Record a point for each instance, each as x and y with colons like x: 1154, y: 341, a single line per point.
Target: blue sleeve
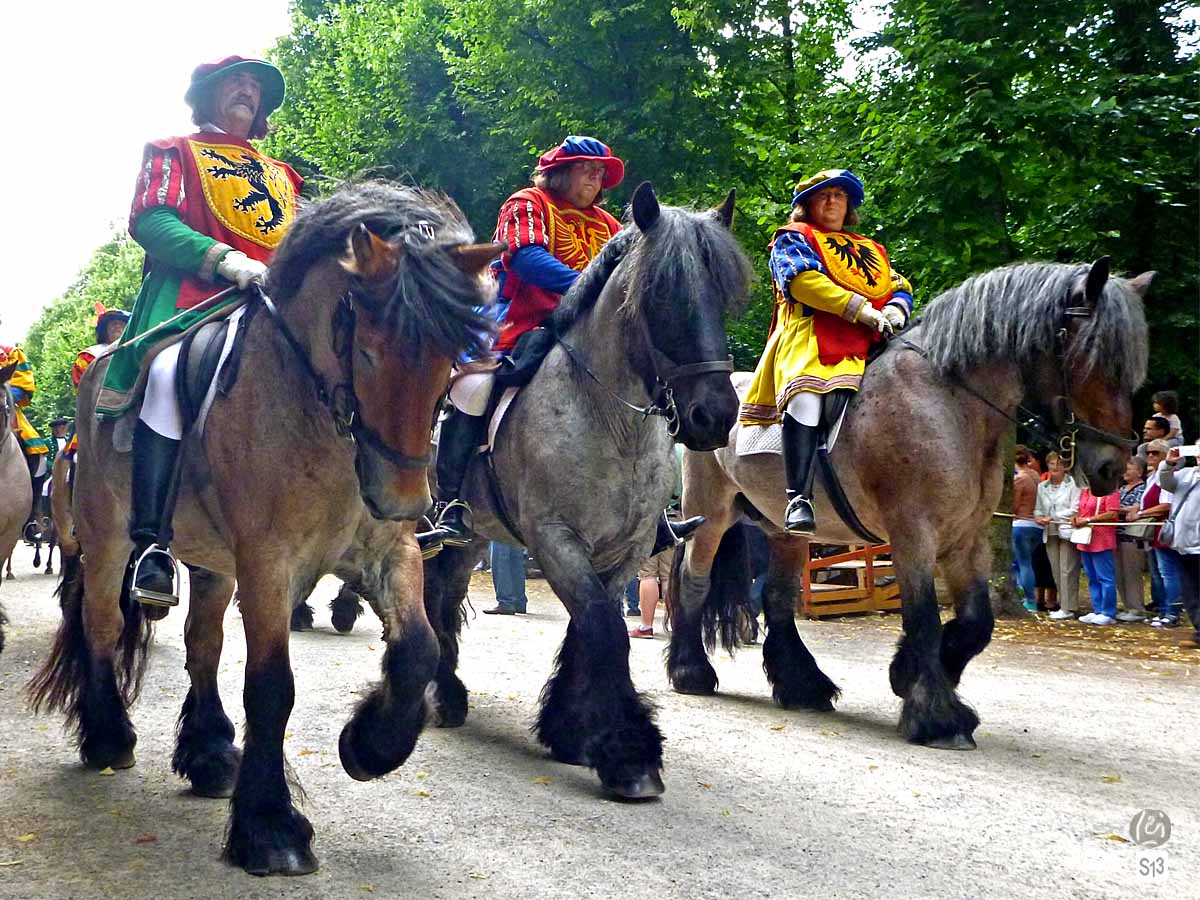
x: 535, y: 265
x: 904, y: 300
x: 791, y: 255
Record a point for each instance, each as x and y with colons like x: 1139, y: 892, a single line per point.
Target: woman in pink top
x: 1097, y: 554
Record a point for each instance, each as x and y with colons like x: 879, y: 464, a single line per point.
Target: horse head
x: 1094, y: 404
x: 684, y: 273
x: 394, y: 301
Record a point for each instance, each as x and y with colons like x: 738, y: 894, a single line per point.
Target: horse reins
x: 1064, y: 435
x: 341, y: 400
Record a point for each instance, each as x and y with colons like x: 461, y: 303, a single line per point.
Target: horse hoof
x: 124, y: 760
x: 216, y: 778
x: 647, y: 786
x: 816, y: 704
x: 350, y: 759
x: 155, y: 613
x: 955, y: 742
x: 284, y: 861
x: 449, y: 718
x: 571, y: 758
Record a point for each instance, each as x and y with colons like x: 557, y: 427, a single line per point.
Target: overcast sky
x: 85, y: 85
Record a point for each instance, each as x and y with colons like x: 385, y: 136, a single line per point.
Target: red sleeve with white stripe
x: 160, y: 183
x: 522, y: 223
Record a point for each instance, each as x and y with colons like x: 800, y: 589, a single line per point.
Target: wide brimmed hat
x: 843, y: 178
x: 270, y: 79
x: 109, y: 315
x: 577, y: 148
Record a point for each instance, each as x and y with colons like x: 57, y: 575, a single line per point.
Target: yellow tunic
x: 790, y: 362
x: 31, y: 442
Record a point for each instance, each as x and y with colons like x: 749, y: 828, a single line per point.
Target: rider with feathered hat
x: 835, y: 294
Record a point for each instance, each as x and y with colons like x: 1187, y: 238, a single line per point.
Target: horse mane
x: 1015, y: 313
x: 432, y: 303
x: 685, y: 254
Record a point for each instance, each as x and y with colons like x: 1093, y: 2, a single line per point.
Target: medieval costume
x: 548, y: 241
x: 35, y: 447
x: 106, y: 319
x: 835, y: 294
x: 209, y: 210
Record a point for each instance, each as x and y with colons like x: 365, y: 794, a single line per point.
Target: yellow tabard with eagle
x: 251, y: 195
x: 822, y: 271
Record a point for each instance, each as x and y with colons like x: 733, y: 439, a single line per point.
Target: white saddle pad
x: 756, y: 439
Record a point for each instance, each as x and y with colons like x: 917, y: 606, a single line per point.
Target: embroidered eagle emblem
x: 250, y: 170
x: 856, y: 256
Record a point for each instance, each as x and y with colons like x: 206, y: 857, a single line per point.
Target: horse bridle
x: 1065, y: 433
x: 666, y: 371
x: 341, y: 400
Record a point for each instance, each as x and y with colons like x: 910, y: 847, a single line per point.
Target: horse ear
x: 645, y: 206
x: 474, y: 258
x: 1141, y: 284
x: 1097, y: 277
x: 369, y: 256
x: 725, y: 211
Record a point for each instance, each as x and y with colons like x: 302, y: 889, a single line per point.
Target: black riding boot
x: 460, y: 437
x: 671, y: 533
x: 154, y: 459
x: 799, y: 459
x: 32, y: 532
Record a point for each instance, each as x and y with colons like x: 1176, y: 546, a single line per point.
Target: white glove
x: 874, y: 319
x: 895, y: 316
x: 243, y: 271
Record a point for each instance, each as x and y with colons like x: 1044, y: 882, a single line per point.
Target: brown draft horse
x: 376, y: 289
x: 16, y: 491
x: 919, y: 456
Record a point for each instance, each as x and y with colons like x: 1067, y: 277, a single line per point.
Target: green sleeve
x: 168, y: 241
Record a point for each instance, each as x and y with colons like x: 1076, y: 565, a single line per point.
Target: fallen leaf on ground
x: 478, y: 876
x: 369, y: 888
x: 306, y: 752
x: 422, y: 774
x: 1112, y: 779
x: 11, y: 862
x: 543, y: 779
x: 146, y: 838
x: 26, y: 838
x: 107, y: 770
x: 778, y: 727
x: 422, y: 793
x: 1112, y: 837
x: 707, y: 787
x: 872, y: 768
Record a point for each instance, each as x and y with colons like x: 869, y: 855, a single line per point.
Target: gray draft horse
x: 919, y: 457
x: 16, y: 491
x: 583, y: 478
x: 377, y: 290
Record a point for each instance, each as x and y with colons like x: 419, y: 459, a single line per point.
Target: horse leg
x: 50, y: 553
x: 796, y: 680
x: 204, y: 750
x: 385, y: 726
x: 696, y: 574
x: 345, y: 609
x: 37, y: 554
x: 591, y: 712
x: 932, y: 713
x: 302, y: 617
x: 965, y: 636
x: 9, y: 573
x: 446, y: 578
x: 266, y: 833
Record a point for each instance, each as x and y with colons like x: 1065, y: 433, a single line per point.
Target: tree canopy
x: 986, y: 132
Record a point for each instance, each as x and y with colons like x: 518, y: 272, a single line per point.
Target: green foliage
x: 67, y: 325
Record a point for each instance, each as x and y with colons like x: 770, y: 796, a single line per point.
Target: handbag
x: 1140, y: 531
x: 1081, y: 535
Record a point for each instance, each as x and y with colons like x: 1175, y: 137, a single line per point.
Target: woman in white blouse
x: 1057, y: 501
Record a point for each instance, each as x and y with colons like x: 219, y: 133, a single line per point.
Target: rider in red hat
x: 209, y: 209
x: 552, y: 230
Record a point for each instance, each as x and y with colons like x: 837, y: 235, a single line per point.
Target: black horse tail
x: 728, y: 590
x: 60, y: 683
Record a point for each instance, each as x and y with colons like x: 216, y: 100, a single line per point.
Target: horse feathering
x: 1016, y: 312
x: 432, y: 303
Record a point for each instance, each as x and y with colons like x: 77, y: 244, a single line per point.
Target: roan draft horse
x: 1062, y: 347
x: 16, y: 492
x: 583, y: 473
x: 374, y: 292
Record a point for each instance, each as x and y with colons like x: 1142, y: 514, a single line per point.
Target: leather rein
x: 1064, y: 435
x: 341, y: 400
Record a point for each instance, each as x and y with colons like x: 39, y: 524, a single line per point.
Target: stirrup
x: 796, y: 504
x: 430, y: 543
x: 155, y: 598
x: 37, y: 535
x: 451, y: 537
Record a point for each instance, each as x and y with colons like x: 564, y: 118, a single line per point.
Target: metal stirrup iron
x: 155, y: 598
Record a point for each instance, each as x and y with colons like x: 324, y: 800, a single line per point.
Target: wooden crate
x: 818, y: 600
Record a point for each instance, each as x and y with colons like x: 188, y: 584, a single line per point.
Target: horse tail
x: 60, y: 683
x: 728, y: 590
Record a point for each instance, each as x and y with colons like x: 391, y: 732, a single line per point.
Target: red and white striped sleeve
x: 159, y: 183
x: 522, y: 222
